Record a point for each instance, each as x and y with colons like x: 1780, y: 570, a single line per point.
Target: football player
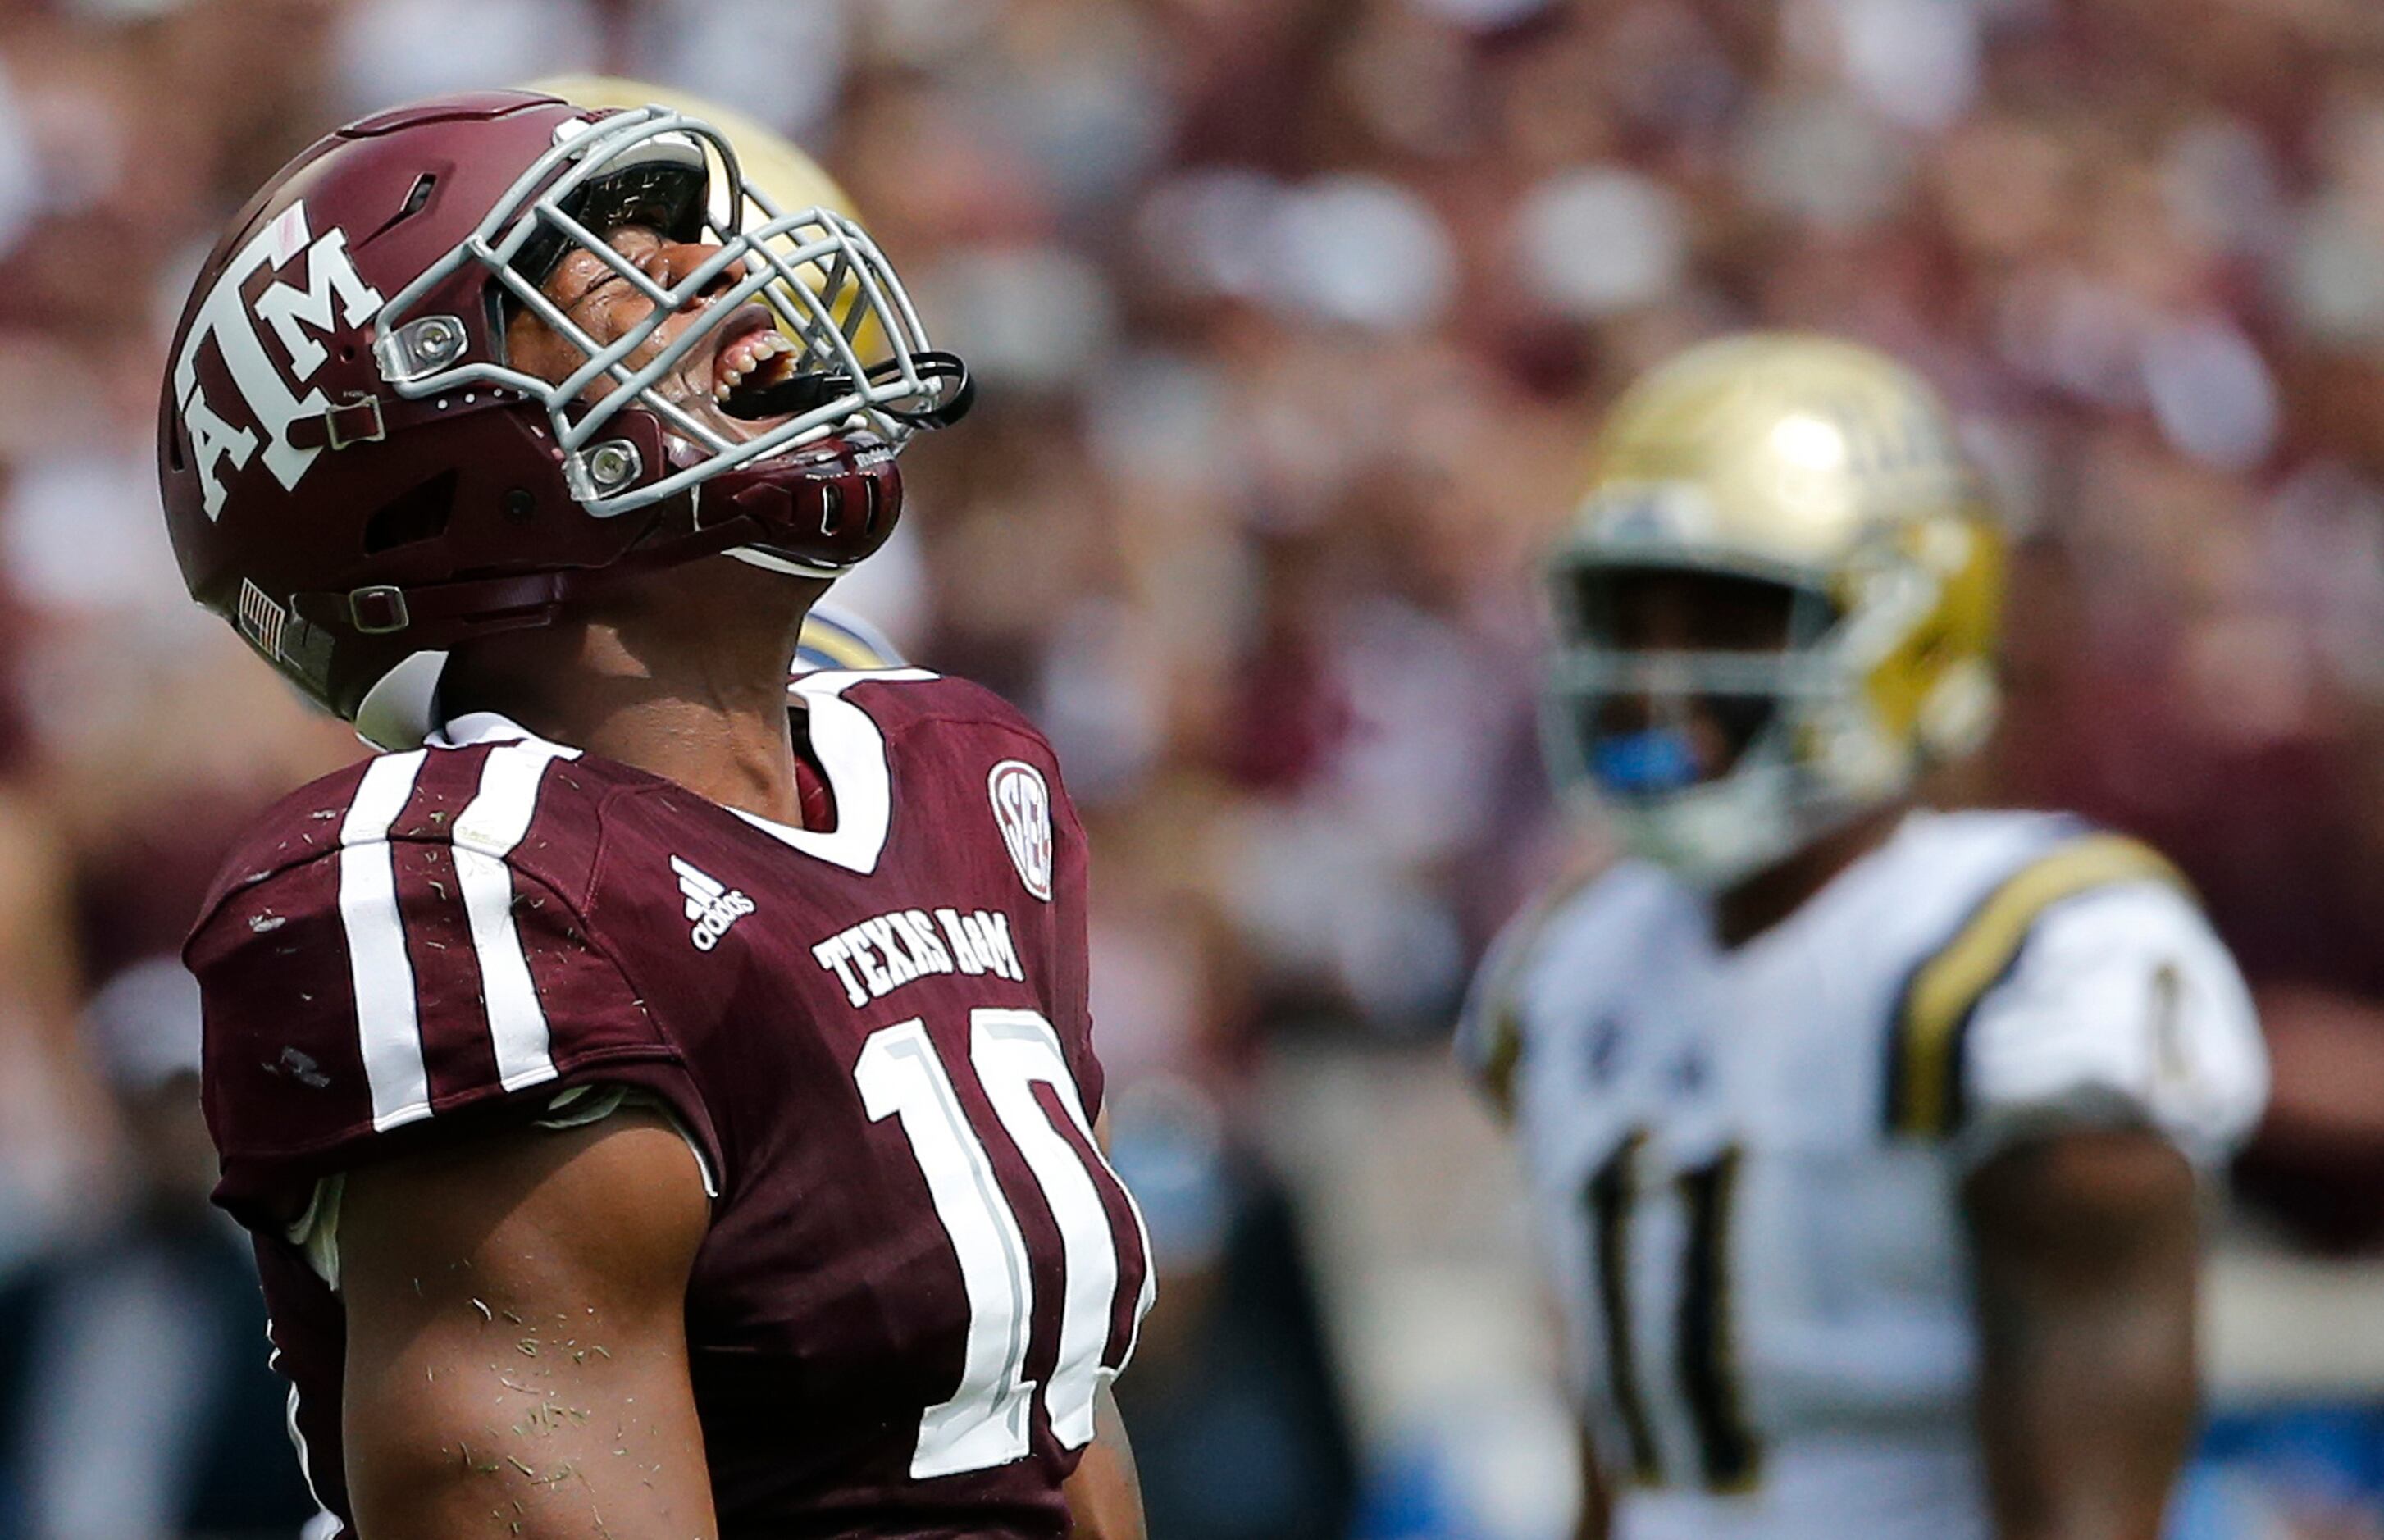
x: 657, y: 1113
x: 1864, y: 1140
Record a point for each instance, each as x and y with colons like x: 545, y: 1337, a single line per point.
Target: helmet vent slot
x: 412, y: 516
x: 416, y: 199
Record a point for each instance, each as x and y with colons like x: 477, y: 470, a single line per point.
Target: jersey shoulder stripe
x: 480, y: 840
x: 389, y: 1024
x: 486, y: 835
x: 1926, y: 1093
x: 390, y: 944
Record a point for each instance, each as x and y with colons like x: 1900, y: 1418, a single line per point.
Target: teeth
x: 746, y: 354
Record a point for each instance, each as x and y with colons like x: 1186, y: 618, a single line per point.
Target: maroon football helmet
x: 357, y: 478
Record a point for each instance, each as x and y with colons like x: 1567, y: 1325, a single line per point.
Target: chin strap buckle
x: 379, y: 610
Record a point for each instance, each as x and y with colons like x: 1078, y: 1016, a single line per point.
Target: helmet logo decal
x: 332, y: 292
x: 1022, y: 806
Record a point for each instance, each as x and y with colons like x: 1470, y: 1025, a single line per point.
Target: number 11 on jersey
x: 1704, y: 1367
x: 985, y: 1423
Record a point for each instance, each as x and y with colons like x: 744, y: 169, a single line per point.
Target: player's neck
x: 1757, y: 903
x: 685, y: 679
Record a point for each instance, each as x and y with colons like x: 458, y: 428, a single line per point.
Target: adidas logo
x: 713, y: 907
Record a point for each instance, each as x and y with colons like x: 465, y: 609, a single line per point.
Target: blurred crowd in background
x: 1293, y: 318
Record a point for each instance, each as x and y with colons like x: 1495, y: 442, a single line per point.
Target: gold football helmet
x: 1825, y: 469
x: 772, y: 164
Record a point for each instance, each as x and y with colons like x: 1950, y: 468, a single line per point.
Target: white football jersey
x: 1745, y: 1165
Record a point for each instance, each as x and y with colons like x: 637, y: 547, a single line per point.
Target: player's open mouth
x: 752, y: 359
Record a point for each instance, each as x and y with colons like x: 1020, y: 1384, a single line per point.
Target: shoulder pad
x: 1925, y: 1093
x: 1490, y: 1032
x: 420, y: 950
x: 434, y: 790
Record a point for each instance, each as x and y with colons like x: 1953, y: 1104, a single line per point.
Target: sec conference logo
x: 1021, y: 805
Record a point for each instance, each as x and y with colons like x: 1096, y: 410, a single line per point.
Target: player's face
x: 745, y: 350
x: 1662, y: 611
x: 1685, y: 613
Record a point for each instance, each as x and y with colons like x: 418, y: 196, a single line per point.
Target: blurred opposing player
x: 651, y: 1120
x: 1862, y: 1139
x: 834, y: 639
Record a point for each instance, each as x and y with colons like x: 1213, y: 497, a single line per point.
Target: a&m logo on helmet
x: 1022, y: 806
x: 327, y: 292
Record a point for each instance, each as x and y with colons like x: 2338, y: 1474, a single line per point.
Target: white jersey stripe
x: 387, y: 1028
x: 298, y: 1440
x: 497, y: 818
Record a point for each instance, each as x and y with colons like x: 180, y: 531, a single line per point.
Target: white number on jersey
x: 984, y: 1422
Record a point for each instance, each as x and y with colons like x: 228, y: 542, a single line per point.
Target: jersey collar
x: 475, y: 727
x: 851, y: 750
x: 851, y: 754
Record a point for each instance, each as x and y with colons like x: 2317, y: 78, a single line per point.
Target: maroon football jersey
x: 920, y: 1267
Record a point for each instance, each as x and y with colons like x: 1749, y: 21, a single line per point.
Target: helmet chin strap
x: 842, y: 495
x: 753, y: 555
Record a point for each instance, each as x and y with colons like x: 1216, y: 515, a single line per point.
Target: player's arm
x: 2117, y: 1059
x: 2086, y: 1248
x: 516, y: 1358
x: 1105, y: 1496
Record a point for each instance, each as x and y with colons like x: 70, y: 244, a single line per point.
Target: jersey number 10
x: 985, y: 1423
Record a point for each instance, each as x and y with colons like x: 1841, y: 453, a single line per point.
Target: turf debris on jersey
x: 920, y: 1267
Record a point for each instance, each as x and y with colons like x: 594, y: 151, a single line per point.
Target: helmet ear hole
x: 417, y: 514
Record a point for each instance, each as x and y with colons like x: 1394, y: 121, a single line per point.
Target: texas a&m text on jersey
x: 875, y: 1036
x: 684, y: 1121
